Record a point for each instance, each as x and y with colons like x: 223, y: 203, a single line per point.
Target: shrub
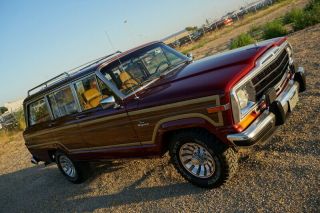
x: 242, y: 40
x: 255, y: 31
x: 312, y: 4
x: 274, y: 29
x: 19, y: 115
x: 293, y: 15
x: 307, y: 17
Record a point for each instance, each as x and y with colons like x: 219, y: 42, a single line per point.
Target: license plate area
x: 293, y: 100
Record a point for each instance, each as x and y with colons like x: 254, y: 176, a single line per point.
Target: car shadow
x: 136, y: 194
x: 21, y: 190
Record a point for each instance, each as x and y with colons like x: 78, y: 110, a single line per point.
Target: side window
x: 38, y: 112
x: 89, y: 93
x: 62, y: 102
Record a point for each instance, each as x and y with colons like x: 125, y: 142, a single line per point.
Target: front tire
x: 201, y: 159
x: 75, y: 172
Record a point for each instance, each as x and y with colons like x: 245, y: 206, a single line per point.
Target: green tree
x: 191, y: 28
x: 3, y: 109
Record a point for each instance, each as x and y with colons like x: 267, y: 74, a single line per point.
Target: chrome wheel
x: 67, y: 166
x: 197, y: 160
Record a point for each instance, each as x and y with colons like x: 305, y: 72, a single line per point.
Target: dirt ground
x: 280, y: 175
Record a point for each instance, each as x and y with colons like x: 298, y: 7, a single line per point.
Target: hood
x: 208, y: 76
x: 220, y: 62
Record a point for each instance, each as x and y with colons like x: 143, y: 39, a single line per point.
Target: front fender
x: 186, y: 123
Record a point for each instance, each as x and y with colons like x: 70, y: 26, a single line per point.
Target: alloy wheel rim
x: 197, y: 160
x: 67, y: 166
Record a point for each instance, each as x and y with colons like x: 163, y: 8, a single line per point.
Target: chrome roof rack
x: 70, y: 72
x: 52, y: 80
x: 90, y: 63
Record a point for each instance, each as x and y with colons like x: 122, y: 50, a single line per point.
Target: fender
x: 195, y: 121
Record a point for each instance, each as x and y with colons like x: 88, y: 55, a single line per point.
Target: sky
x: 41, y: 39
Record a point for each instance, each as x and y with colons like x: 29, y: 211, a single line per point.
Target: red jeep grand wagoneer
x: 153, y: 99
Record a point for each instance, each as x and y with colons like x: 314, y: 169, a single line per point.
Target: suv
x: 8, y: 121
x: 153, y: 99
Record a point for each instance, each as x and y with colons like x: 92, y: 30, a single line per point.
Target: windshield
x: 132, y: 72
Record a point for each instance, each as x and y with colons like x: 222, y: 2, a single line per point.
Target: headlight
x: 243, y: 99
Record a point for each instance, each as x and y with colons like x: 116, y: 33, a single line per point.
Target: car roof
x: 91, y: 68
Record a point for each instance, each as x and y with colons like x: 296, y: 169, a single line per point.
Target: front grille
x: 271, y: 75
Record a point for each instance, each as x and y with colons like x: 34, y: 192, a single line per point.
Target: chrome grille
x: 271, y: 75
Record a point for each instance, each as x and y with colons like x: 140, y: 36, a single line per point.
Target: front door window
x: 132, y: 72
x: 90, y: 92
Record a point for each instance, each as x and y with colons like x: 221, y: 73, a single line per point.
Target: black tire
x: 81, y: 169
x: 224, y: 157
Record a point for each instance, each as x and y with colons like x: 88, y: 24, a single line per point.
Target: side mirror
x: 190, y: 56
x: 109, y: 102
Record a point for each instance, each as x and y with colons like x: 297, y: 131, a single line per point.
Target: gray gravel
x: 280, y: 175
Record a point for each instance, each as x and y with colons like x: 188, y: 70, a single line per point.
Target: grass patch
x: 308, y: 17
x: 274, y: 29
x: 199, y: 44
x: 6, y: 137
x: 242, y: 40
x: 302, y: 18
x: 293, y: 15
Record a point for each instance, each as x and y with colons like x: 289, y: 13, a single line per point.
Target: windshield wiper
x: 170, y: 68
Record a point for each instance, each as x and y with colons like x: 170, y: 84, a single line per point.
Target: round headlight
x: 243, y: 98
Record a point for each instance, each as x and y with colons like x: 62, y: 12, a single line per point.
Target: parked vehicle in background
x: 8, y: 121
x: 152, y: 99
x: 196, y: 35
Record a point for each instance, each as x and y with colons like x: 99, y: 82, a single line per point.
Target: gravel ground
x: 280, y: 175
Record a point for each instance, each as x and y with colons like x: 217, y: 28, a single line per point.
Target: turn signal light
x: 246, y: 121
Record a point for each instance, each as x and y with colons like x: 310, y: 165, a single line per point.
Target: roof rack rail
x: 52, y: 80
x: 72, y: 71
x: 90, y: 63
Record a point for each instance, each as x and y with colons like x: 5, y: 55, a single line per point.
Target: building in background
x: 14, y: 106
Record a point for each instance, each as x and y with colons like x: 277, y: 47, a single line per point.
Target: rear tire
x: 201, y: 159
x: 75, y: 172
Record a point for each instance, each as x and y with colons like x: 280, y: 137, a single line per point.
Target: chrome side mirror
x: 109, y: 102
x: 190, y: 56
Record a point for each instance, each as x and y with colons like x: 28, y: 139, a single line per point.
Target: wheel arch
x: 166, y: 129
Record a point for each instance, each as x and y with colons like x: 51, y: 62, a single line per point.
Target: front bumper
x: 266, y: 123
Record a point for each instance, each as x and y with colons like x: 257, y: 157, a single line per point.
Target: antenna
x: 118, y: 58
x: 113, y: 49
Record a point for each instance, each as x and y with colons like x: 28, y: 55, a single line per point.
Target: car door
x: 102, y: 128
x: 65, y: 111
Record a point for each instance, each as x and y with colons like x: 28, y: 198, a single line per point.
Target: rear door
x: 65, y: 109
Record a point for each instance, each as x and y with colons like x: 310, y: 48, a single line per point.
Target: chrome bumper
x: 265, y: 124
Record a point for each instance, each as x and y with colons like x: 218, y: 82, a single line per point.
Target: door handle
x: 51, y: 124
x: 80, y: 116
x: 142, y: 124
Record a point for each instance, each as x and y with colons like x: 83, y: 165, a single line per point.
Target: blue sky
x: 40, y: 39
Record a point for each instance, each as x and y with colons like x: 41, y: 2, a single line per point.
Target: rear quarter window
x: 38, y: 112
